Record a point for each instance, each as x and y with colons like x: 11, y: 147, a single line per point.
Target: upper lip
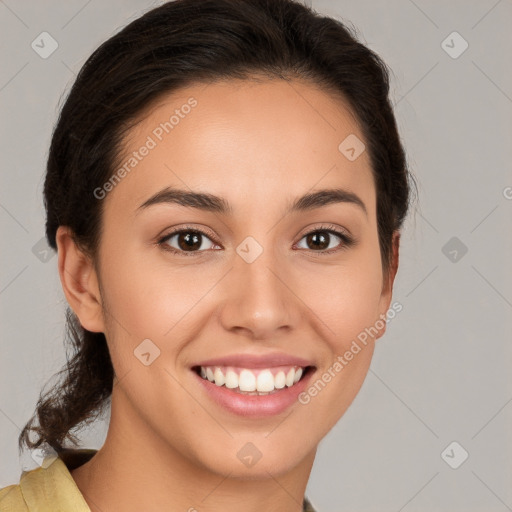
x: 256, y: 361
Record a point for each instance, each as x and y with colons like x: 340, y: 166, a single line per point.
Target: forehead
x: 246, y: 141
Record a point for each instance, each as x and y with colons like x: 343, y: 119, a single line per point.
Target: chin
x: 251, y: 460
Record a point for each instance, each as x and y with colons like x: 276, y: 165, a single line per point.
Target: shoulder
x: 11, y: 499
x: 48, y: 487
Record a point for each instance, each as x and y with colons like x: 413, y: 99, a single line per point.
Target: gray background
x: 442, y: 371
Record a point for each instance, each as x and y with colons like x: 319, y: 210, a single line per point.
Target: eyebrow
x: 212, y: 203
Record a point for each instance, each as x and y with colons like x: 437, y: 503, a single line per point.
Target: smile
x: 261, y: 381
x: 253, y: 392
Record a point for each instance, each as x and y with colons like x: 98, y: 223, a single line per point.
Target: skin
x: 259, y: 146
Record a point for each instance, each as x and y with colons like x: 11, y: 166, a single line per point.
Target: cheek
x: 349, y: 307
x: 150, y: 300
x: 353, y: 307
x: 147, y: 297
x: 346, y: 299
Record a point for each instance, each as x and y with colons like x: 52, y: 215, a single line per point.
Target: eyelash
x: 347, y: 240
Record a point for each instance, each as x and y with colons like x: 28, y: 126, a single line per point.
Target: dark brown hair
x: 177, y: 44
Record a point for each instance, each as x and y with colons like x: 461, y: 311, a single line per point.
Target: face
x: 243, y: 284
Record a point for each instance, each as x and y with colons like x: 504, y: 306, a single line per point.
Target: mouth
x: 254, y: 381
x: 253, y: 385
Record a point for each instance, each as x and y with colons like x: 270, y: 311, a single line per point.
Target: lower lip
x: 255, y: 405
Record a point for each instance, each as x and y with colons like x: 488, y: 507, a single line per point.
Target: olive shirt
x: 53, y: 489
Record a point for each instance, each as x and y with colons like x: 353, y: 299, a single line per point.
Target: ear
x: 387, y: 285
x: 79, y: 282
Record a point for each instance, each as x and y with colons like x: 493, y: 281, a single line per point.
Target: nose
x: 260, y: 300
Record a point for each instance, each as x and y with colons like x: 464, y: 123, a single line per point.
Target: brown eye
x: 187, y: 241
x: 323, y: 240
x: 318, y: 240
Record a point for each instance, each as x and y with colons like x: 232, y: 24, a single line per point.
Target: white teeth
x: 265, y: 381
x: 231, y: 379
x: 280, y: 380
x: 289, y: 377
x: 262, y: 382
x: 247, y: 381
x: 219, y: 377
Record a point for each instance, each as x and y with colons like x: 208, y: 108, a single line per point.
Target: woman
x: 225, y: 189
